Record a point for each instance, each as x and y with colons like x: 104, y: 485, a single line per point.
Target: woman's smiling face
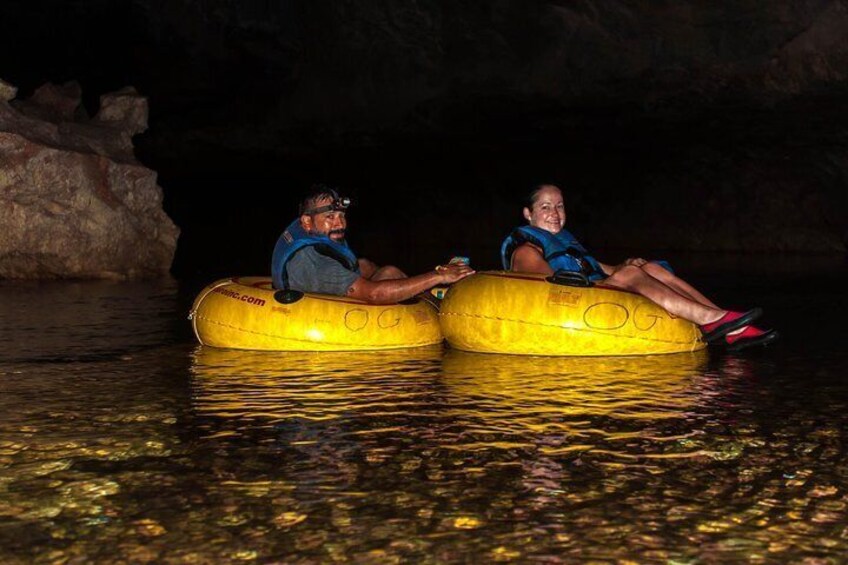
x: 548, y: 209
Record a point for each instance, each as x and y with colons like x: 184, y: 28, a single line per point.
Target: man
x: 312, y: 256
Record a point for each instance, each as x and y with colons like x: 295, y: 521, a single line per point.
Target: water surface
x: 121, y: 439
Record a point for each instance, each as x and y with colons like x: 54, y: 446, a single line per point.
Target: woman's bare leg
x: 677, y: 284
x: 636, y: 280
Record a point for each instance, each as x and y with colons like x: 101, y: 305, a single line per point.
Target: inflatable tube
x: 246, y: 313
x: 529, y: 314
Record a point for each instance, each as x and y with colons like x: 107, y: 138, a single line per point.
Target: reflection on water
x: 267, y: 388
x: 125, y: 441
x: 537, y: 388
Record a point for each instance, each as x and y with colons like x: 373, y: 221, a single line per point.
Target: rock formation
x: 74, y: 202
x: 684, y: 125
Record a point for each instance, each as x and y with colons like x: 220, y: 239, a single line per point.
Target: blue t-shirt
x: 309, y: 271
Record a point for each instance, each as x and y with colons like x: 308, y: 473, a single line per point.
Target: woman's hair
x: 533, y: 195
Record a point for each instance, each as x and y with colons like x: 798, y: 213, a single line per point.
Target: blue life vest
x: 295, y: 238
x: 562, y: 251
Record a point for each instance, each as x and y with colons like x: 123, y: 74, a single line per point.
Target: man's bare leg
x: 388, y: 272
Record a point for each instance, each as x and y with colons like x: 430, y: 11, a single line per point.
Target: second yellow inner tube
x: 530, y: 314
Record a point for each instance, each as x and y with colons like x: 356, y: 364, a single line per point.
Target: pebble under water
x: 122, y: 440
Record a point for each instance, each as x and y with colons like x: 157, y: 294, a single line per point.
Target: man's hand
x: 453, y: 272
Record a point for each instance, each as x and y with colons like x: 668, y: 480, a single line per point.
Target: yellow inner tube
x: 246, y: 313
x: 525, y: 314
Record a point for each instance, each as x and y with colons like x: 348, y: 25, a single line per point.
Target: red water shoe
x: 750, y: 337
x: 729, y: 322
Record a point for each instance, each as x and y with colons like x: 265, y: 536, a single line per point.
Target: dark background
x: 673, y: 127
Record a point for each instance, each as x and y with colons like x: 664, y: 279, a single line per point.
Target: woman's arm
x: 607, y: 269
x: 529, y: 259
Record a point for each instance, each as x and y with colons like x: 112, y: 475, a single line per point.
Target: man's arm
x: 394, y: 290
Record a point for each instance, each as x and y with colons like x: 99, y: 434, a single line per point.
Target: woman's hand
x: 635, y: 262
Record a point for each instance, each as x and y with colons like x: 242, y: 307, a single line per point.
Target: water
x: 121, y: 440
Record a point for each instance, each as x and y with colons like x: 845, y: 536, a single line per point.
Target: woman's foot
x: 749, y: 337
x: 729, y: 322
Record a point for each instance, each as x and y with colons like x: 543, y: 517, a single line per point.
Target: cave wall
x: 677, y: 125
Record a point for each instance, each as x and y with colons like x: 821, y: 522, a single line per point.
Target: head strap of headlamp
x: 339, y: 204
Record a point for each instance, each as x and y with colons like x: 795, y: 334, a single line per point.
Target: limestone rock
x: 74, y: 202
x: 7, y: 91
x: 53, y: 103
x: 125, y: 108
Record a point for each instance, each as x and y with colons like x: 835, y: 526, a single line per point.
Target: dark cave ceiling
x: 706, y: 112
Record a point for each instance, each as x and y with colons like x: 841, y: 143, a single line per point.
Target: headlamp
x: 339, y: 204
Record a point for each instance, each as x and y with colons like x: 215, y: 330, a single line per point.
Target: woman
x: 543, y: 246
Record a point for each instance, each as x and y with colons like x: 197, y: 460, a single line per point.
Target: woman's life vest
x: 561, y: 250
x: 295, y: 238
